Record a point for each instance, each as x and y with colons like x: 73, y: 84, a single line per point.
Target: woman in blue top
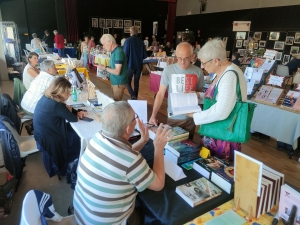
x: 54, y: 135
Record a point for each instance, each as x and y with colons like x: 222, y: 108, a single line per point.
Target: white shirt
x: 36, y: 90
x: 146, y: 43
x: 123, y: 41
x: 35, y: 43
x: 27, y: 78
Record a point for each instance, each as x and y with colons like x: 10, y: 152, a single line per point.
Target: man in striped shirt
x: 111, y: 171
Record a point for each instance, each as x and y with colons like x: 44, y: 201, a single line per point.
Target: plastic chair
x: 31, y: 213
x: 27, y: 146
x: 283, y: 71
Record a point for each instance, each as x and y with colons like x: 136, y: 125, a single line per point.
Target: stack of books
x: 97, y: 108
x: 178, y: 133
x: 219, y: 171
x: 182, y: 151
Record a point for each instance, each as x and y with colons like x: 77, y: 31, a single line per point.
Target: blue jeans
x: 50, y: 50
x: 61, y: 52
x: 136, y: 73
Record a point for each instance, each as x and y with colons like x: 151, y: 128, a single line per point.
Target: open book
x: 184, y: 103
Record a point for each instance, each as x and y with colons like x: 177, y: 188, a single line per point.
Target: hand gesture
x: 162, y: 136
x: 143, y: 130
x: 153, y: 120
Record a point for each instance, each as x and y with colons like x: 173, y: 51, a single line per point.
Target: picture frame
x: 262, y: 44
x: 102, y: 23
x: 137, y: 23
x: 245, y: 43
x: 289, y: 40
x: 241, y: 35
x: 227, y: 54
x: 279, y: 45
x: 255, y: 46
x: 257, y: 35
x: 127, y: 23
x: 126, y: 29
x: 239, y: 43
x: 115, y: 23
x: 108, y: 23
x: 95, y: 22
x: 297, y: 38
x: 286, y: 59
x: 242, y: 51
x: 274, y: 36
x: 105, y: 31
x: 278, y: 56
x: 294, y: 50
x: 120, y: 23
x: 139, y: 30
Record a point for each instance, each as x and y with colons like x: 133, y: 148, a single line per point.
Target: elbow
x: 160, y: 186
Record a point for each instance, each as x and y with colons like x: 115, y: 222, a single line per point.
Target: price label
x: 276, y: 80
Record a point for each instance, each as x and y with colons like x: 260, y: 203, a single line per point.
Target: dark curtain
x: 71, y: 19
x: 171, y: 21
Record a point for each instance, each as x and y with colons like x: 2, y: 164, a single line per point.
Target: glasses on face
x: 203, y: 64
x: 186, y: 59
x: 135, y: 117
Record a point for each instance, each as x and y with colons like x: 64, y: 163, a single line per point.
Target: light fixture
x: 202, y: 5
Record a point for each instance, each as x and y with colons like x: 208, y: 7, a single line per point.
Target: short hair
x: 46, y: 64
x: 236, y: 55
x: 31, y: 54
x: 86, y: 36
x: 55, y: 31
x: 115, y: 118
x: 34, y: 35
x: 58, y: 86
x: 108, y: 37
x: 214, y: 49
x: 46, y: 32
x: 134, y: 30
x: 185, y: 44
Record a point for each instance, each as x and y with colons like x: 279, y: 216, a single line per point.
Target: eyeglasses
x: 135, y: 117
x: 186, y: 59
x: 203, y: 64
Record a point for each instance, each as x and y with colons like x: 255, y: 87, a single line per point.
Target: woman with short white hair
x: 213, y: 59
x: 36, y: 43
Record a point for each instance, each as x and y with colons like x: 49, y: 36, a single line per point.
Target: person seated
x: 111, y: 171
x: 160, y: 52
x: 31, y: 69
x: 235, y: 58
x: 54, y: 135
x: 36, y: 43
x: 195, y: 60
x: 38, y: 86
x: 167, y: 49
x: 294, y: 64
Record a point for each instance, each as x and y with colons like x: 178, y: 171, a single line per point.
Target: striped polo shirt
x: 109, y: 175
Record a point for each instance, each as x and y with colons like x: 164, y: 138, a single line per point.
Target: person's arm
x: 64, y: 111
x: 116, y: 71
x: 33, y: 72
x: 137, y: 146
x: 81, y: 47
x: 157, y: 103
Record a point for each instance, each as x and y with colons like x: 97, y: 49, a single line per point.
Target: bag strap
x: 238, y: 88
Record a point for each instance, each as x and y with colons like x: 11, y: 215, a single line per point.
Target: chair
x: 283, y: 71
x: 31, y: 214
x: 27, y: 146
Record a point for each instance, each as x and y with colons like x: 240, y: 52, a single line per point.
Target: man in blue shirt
x: 135, y: 51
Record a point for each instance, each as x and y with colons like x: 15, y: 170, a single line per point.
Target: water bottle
x: 74, y: 93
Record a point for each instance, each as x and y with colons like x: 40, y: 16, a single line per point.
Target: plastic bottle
x: 74, y: 93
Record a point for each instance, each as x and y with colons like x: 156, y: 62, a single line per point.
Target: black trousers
x: 136, y: 73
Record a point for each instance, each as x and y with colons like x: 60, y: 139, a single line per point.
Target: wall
x: 192, y: 7
x: 3, y: 68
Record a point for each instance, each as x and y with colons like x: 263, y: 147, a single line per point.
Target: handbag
x: 236, y: 127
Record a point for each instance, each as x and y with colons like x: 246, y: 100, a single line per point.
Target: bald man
x: 195, y: 79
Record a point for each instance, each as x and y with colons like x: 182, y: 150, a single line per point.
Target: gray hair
x: 115, y: 118
x: 34, y: 35
x: 134, y: 30
x: 45, y: 65
x: 214, y: 49
x: 108, y: 37
x: 185, y: 44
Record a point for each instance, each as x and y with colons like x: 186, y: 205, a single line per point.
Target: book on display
x: 223, y: 176
x: 178, y: 133
x: 183, y: 103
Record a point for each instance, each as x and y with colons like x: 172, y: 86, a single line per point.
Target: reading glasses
x: 203, y: 63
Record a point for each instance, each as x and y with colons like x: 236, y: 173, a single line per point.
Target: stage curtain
x: 71, y: 20
x: 171, y: 20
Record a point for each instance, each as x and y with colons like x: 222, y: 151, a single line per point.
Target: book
x: 228, y: 218
x: 263, y: 93
x: 189, y: 165
x: 183, y: 103
x: 77, y: 105
x: 180, y: 159
x: 178, y: 133
x: 291, y: 100
x: 183, y: 147
x: 258, y: 62
x: 223, y: 176
x: 269, y: 94
x: 96, y: 107
x: 198, y: 191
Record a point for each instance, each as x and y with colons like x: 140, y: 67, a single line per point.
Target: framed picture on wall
x: 105, y: 30
x: 274, y: 36
x: 102, y: 23
x: 127, y: 23
x: 120, y: 23
x: 278, y: 56
x: 95, y: 22
x: 239, y: 43
x: 262, y: 44
x: 139, y: 30
x: 279, y: 45
x: 137, y: 23
x: 242, y: 51
x: 115, y: 23
x: 297, y: 38
x: 255, y: 46
x: 240, y: 35
x: 126, y: 30
x: 286, y: 59
x: 108, y: 23
x: 289, y: 40
x: 257, y: 35
x: 245, y: 43
x: 294, y: 50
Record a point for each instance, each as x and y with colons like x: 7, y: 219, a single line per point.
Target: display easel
x: 91, y: 90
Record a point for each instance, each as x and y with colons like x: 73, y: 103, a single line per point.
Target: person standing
x: 118, y: 66
x: 135, y: 51
x: 146, y: 42
x: 49, y: 41
x: 60, y: 43
x: 36, y: 43
x: 85, y: 50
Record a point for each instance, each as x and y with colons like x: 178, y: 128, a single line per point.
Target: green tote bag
x: 236, y: 127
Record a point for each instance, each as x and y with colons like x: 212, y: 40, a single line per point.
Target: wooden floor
x: 263, y: 150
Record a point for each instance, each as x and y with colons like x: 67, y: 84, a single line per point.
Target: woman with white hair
x: 36, y: 43
x: 213, y: 59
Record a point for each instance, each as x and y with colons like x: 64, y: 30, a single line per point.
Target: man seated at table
x: 38, y: 86
x: 184, y: 53
x: 111, y: 171
x: 117, y: 66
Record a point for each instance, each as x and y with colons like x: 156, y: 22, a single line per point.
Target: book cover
x: 290, y: 99
x: 183, y: 147
x: 274, y: 95
x: 258, y: 62
x: 198, y: 191
x: 263, y: 93
x: 189, y: 165
x: 178, y: 133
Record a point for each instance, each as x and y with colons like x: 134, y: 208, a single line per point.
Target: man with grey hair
x: 135, y: 51
x: 38, y: 86
x: 111, y: 171
x: 189, y: 78
x: 117, y: 66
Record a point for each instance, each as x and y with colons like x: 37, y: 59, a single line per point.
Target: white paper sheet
x: 140, y: 108
x: 174, y: 171
x: 250, y: 86
x: 267, y: 65
x: 257, y: 74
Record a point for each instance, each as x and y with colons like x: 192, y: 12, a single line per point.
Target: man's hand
x: 153, y: 120
x: 143, y: 130
x: 162, y: 136
x: 101, y: 67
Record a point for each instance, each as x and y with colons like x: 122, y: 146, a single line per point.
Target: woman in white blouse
x: 36, y: 43
x: 213, y: 59
x: 31, y: 69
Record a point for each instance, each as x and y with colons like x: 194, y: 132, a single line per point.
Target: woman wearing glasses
x: 213, y: 59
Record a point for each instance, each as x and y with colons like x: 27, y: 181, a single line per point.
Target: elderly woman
x: 54, y: 135
x: 31, y: 70
x: 213, y: 59
x: 36, y: 43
